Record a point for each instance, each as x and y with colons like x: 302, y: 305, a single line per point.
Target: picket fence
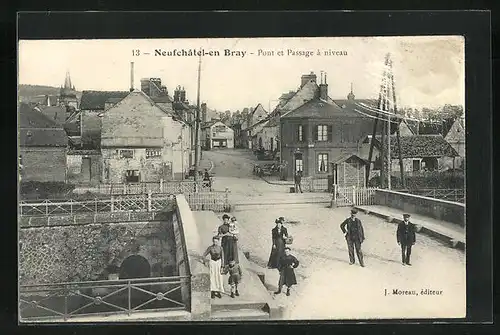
x: 344, y: 196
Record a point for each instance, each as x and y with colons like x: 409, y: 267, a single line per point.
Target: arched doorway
x: 135, y: 266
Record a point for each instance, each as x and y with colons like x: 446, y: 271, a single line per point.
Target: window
x: 127, y: 153
x: 416, y: 165
x: 300, y: 133
x: 214, y: 134
x: 132, y: 176
x: 322, y: 133
x: 151, y: 153
x: 299, y: 164
x: 322, y: 162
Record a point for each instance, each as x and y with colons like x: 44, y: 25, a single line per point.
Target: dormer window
x: 29, y: 133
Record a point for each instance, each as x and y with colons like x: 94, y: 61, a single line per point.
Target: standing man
x: 406, y: 238
x: 354, y: 235
x: 298, y: 179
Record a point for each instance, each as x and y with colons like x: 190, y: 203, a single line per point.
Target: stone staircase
x: 254, y: 302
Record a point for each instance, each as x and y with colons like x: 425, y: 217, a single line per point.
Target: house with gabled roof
x: 320, y: 130
x: 250, y: 126
x: 42, y: 147
x: 419, y: 153
x: 141, y: 142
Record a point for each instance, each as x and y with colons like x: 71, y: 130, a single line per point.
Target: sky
x: 429, y: 71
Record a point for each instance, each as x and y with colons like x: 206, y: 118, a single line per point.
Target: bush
x: 44, y: 190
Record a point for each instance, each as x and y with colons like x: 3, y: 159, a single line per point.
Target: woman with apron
x: 215, y: 264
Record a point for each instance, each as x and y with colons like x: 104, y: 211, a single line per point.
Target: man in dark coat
x: 354, y: 235
x: 406, y: 238
x: 298, y: 180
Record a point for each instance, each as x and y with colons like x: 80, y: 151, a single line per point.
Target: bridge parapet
x: 444, y: 210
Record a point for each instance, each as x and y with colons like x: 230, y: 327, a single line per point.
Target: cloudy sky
x: 429, y: 71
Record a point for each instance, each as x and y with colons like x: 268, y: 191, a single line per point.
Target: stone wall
x: 434, y: 208
x: 44, y: 163
x: 83, y: 252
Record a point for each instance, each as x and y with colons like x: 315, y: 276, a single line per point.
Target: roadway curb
x: 449, y: 241
x: 273, y: 183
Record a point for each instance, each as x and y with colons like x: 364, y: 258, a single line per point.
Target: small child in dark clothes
x: 235, y: 274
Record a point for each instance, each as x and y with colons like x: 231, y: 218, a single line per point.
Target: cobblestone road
x: 331, y: 288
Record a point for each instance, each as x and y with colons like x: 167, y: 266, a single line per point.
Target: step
x: 239, y: 315
x: 234, y: 304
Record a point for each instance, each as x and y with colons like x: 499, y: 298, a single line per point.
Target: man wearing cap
x: 354, y: 235
x: 406, y: 238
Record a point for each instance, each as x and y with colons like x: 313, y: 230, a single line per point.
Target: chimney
x: 323, y: 88
x: 307, y: 77
x: 48, y: 100
x: 131, y: 76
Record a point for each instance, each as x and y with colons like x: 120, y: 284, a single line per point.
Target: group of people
x: 224, y: 251
x: 352, y: 228
x: 224, y: 258
x: 281, y: 257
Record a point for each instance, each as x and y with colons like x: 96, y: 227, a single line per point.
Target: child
x: 287, y: 265
x: 234, y: 271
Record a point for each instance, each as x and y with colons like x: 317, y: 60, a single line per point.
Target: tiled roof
x: 345, y: 156
x: 420, y: 146
x: 95, y: 100
x: 35, y: 129
x: 317, y: 108
x: 56, y: 113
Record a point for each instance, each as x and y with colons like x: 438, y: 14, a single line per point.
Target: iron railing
x: 175, y: 187
x: 456, y: 195
x: 117, y: 203
x: 106, y: 297
x: 151, y: 202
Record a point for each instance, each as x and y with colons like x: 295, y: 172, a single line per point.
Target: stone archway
x: 135, y: 266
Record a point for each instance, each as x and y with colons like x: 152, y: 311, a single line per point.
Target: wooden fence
x: 173, y: 187
x: 151, y: 202
x: 352, y: 196
x: 106, y: 297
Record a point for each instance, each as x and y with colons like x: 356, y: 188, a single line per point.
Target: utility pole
x: 197, y: 129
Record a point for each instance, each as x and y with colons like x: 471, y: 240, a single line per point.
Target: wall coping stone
x: 422, y: 197
x: 200, y: 278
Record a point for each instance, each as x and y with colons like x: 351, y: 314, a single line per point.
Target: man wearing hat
x: 406, y: 238
x: 355, y: 235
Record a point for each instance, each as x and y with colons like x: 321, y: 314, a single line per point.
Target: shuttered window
x: 322, y: 162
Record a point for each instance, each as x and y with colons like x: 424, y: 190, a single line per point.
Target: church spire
x: 67, y: 81
x: 351, y: 95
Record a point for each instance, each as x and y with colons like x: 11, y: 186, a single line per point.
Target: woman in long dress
x: 215, y: 263
x: 278, y: 235
x: 229, y: 238
x: 287, y: 264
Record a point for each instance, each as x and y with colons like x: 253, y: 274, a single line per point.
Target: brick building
x: 320, y: 131
x: 43, y: 147
x: 141, y: 142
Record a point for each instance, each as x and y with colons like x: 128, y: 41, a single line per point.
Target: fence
x: 311, y: 184
x: 174, y: 187
x: 457, y: 195
x: 353, y: 196
x: 106, y: 297
x: 151, y: 202
x: 117, y: 203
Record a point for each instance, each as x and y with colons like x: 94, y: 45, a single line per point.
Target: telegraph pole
x: 197, y: 129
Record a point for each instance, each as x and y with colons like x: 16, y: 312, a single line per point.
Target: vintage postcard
x: 242, y: 179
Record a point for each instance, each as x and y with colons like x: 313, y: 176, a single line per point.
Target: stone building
x: 141, y: 142
x: 43, y: 147
x: 249, y: 126
x: 216, y: 134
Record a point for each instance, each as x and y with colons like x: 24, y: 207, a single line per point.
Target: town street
x: 325, y: 278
